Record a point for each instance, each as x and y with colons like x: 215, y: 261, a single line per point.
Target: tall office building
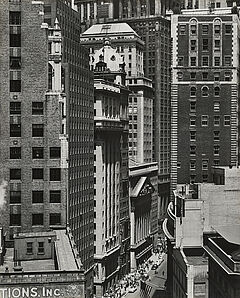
x: 130, y: 47
x: 112, y: 222
x: 47, y: 124
x: 204, y: 94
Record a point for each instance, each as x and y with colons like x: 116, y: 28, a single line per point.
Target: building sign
x: 42, y: 291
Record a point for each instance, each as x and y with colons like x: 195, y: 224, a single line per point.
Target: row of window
x: 15, y: 108
x: 205, y: 61
x: 205, y: 45
x: 193, y: 107
x: 204, y: 29
x: 37, y: 130
x: 37, y: 152
x: 216, y: 135
x: 205, y: 76
x: 37, y: 219
x: 205, y: 120
x: 193, y: 149
x: 204, y: 91
x: 37, y: 173
x: 37, y: 196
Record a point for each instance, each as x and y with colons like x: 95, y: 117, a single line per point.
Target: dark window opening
x: 37, y: 152
x: 37, y: 219
x: 15, y: 130
x: 37, y: 173
x: 14, y: 17
x: 15, y: 40
x: 55, y: 196
x: 55, y: 174
x: 29, y: 248
x: 37, y: 196
x: 15, y: 174
x: 15, y: 219
x: 55, y: 219
x: 15, y: 197
x: 15, y: 108
x: 41, y: 248
x: 15, y: 85
x: 37, y: 108
x: 15, y: 152
x: 37, y: 130
x: 55, y: 152
x: 15, y: 62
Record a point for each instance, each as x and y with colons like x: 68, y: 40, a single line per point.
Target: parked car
x: 132, y: 289
x: 154, y: 267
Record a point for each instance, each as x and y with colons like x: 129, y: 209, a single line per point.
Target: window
x: 37, y: 152
x: 15, y: 85
x: 193, y: 150
x: 180, y: 61
x: 205, y: 61
x: 216, y: 135
x: 55, y: 152
x: 29, y: 248
x: 228, y: 29
x: 37, y: 108
x: 205, y: 44
x: 15, y: 197
x: 217, y: 45
x: 15, y: 219
x: 192, y: 121
x: 15, y: 152
x: 192, y: 135
x: 217, y: 91
x: 216, y: 76
x: 216, y: 61
x: 193, y: 76
x: 15, y: 108
x: 192, y: 164
x: 182, y: 29
x: 205, y: 29
x: 216, y: 149
x: 227, y: 60
x: 55, y: 196
x: 37, y: 219
x: 47, y: 8
x: 41, y: 248
x: 217, y: 29
x: 15, y: 62
x: 192, y: 107
x: 193, y: 61
x: 204, y: 120
x: 55, y: 219
x: 227, y: 76
x: 216, y: 162
x: 180, y: 76
x: 205, y: 76
x: 205, y: 91
x: 216, y: 120
x: 15, y: 39
x: 227, y: 120
x: 15, y: 130
x: 37, y: 196
x: 15, y: 174
x: 14, y: 18
x: 193, y: 91
x: 37, y: 173
x: 205, y: 178
x: 192, y: 178
x: 193, y: 45
x: 193, y: 29
x: 216, y: 106
x: 205, y: 164
x: 37, y: 130
x: 55, y: 174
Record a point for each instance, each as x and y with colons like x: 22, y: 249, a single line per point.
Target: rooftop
x: 113, y: 28
x: 196, y: 256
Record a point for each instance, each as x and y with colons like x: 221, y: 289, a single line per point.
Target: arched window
x: 217, y: 91
x: 205, y: 91
x: 193, y: 91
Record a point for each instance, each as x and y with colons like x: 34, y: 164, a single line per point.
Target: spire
x: 56, y: 24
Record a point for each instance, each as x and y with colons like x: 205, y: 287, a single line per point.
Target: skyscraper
x: 204, y: 94
x: 112, y: 223
x: 47, y: 123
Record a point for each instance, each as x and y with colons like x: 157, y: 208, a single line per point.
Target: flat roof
x: 230, y: 233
